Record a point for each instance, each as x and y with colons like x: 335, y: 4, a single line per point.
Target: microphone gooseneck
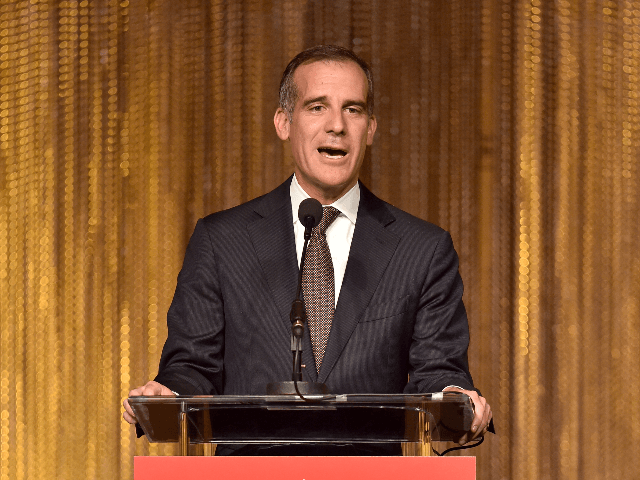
x: 310, y: 215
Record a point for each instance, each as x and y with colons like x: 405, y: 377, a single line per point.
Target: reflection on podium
x: 201, y: 422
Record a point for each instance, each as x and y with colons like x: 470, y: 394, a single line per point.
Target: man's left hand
x: 482, y: 416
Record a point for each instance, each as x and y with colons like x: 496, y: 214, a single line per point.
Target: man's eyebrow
x: 321, y: 99
x: 346, y: 103
x: 355, y: 103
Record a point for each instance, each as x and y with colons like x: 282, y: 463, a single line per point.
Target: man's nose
x: 335, y: 123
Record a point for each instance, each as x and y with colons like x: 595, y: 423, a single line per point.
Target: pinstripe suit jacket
x: 399, y: 314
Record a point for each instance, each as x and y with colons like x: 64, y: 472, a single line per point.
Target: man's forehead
x: 338, y: 62
x: 301, y: 78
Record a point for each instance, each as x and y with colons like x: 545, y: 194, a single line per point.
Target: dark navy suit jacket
x: 399, y: 326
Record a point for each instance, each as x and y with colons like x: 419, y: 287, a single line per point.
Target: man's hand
x: 151, y: 388
x: 482, y: 416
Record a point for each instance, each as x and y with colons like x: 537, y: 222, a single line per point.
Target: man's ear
x: 371, y: 129
x: 281, y: 122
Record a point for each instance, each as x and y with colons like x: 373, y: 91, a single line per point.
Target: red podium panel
x: 304, y: 468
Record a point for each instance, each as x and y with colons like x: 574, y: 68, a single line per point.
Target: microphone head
x: 310, y: 213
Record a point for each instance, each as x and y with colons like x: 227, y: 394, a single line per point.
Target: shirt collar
x: 347, y: 204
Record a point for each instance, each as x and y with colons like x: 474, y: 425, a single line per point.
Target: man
x: 396, y: 300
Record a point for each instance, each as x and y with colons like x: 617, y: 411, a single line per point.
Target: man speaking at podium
x: 381, y: 288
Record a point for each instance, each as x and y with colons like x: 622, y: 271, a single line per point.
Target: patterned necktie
x: 318, y: 285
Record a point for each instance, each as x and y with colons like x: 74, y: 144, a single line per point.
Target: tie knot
x: 329, y: 214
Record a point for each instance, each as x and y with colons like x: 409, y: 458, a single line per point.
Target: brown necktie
x: 318, y: 285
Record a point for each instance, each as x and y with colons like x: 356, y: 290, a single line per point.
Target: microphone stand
x: 298, y: 317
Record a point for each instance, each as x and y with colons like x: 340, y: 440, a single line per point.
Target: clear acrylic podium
x: 411, y: 420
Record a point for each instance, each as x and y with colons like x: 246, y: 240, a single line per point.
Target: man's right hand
x: 151, y: 388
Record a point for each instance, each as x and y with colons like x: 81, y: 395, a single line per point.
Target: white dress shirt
x: 339, y: 233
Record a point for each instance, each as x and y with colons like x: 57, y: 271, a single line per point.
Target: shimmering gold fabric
x: 514, y: 124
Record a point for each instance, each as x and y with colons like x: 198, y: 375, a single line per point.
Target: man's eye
x: 353, y: 110
x: 316, y: 108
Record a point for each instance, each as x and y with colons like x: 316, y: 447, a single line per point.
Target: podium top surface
x: 288, y: 418
x: 398, y: 400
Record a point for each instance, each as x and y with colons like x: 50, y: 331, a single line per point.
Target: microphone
x: 310, y: 215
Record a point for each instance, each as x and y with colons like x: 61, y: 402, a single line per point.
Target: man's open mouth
x: 332, y: 152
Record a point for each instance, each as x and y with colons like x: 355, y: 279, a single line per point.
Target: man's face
x: 330, y: 127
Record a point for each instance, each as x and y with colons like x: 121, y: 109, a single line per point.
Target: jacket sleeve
x: 192, y: 357
x: 438, y: 350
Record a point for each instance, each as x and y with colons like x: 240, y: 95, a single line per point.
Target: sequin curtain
x: 512, y: 123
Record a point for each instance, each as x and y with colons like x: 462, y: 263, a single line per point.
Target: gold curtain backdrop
x: 514, y: 124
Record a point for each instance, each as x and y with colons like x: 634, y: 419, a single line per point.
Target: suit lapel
x: 371, y: 250
x: 276, y: 252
